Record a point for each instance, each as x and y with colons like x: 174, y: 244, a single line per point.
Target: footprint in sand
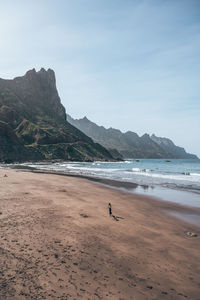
x: 84, y: 215
x: 57, y: 241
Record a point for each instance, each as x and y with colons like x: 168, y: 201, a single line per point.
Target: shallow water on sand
x: 186, y: 217
x: 182, y: 197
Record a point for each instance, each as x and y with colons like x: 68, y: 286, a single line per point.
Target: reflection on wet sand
x: 189, y: 218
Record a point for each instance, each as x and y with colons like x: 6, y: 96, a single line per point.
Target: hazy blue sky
x: 132, y: 65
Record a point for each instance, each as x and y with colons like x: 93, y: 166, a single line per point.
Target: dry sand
x: 58, y: 242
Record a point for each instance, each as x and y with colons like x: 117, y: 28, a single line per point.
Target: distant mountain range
x: 33, y: 123
x: 129, y: 144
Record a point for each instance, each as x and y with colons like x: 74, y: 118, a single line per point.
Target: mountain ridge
x: 130, y: 144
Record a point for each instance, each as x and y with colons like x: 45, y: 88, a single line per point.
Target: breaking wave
x: 178, y: 174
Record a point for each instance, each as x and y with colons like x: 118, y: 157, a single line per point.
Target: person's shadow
x: 117, y: 218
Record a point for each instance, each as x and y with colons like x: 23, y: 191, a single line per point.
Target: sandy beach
x: 59, y: 242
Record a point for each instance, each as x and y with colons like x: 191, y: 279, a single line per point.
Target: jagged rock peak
x: 145, y: 136
x: 131, y: 133
x: 48, y: 75
x: 31, y: 74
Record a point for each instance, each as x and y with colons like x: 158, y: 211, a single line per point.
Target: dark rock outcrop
x: 129, y: 144
x: 33, y: 123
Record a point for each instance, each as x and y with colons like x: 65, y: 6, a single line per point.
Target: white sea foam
x: 136, y: 169
x: 94, y: 169
x: 141, y: 170
x: 151, y: 172
x: 195, y: 174
x: 178, y: 177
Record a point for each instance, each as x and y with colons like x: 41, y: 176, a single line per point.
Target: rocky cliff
x: 33, y: 123
x: 129, y: 144
x: 168, y: 146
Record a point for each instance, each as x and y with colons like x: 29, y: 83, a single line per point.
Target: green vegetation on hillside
x: 33, y: 123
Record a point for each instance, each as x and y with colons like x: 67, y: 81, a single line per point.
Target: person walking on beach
x: 110, y: 209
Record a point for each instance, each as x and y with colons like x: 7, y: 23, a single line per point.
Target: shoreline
x: 181, y: 211
x: 58, y: 242
x: 195, y: 190
x: 179, y: 184
x: 176, y: 210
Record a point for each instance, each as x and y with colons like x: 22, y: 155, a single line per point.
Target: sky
x: 127, y: 64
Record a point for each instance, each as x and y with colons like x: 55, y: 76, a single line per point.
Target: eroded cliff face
x: 33, y: 122
x: 33, y: 96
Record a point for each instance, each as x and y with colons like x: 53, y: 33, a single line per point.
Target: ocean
x: 176, y: 180
x: 174, y: 173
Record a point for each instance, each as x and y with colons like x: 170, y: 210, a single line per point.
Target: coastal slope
x: 130, y: 144
x: 168, y: 146
x: 34, y: 126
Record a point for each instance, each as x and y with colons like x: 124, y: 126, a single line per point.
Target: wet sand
x: 58, y: 242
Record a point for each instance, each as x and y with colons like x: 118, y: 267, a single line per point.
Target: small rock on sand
x: 191, y: 234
